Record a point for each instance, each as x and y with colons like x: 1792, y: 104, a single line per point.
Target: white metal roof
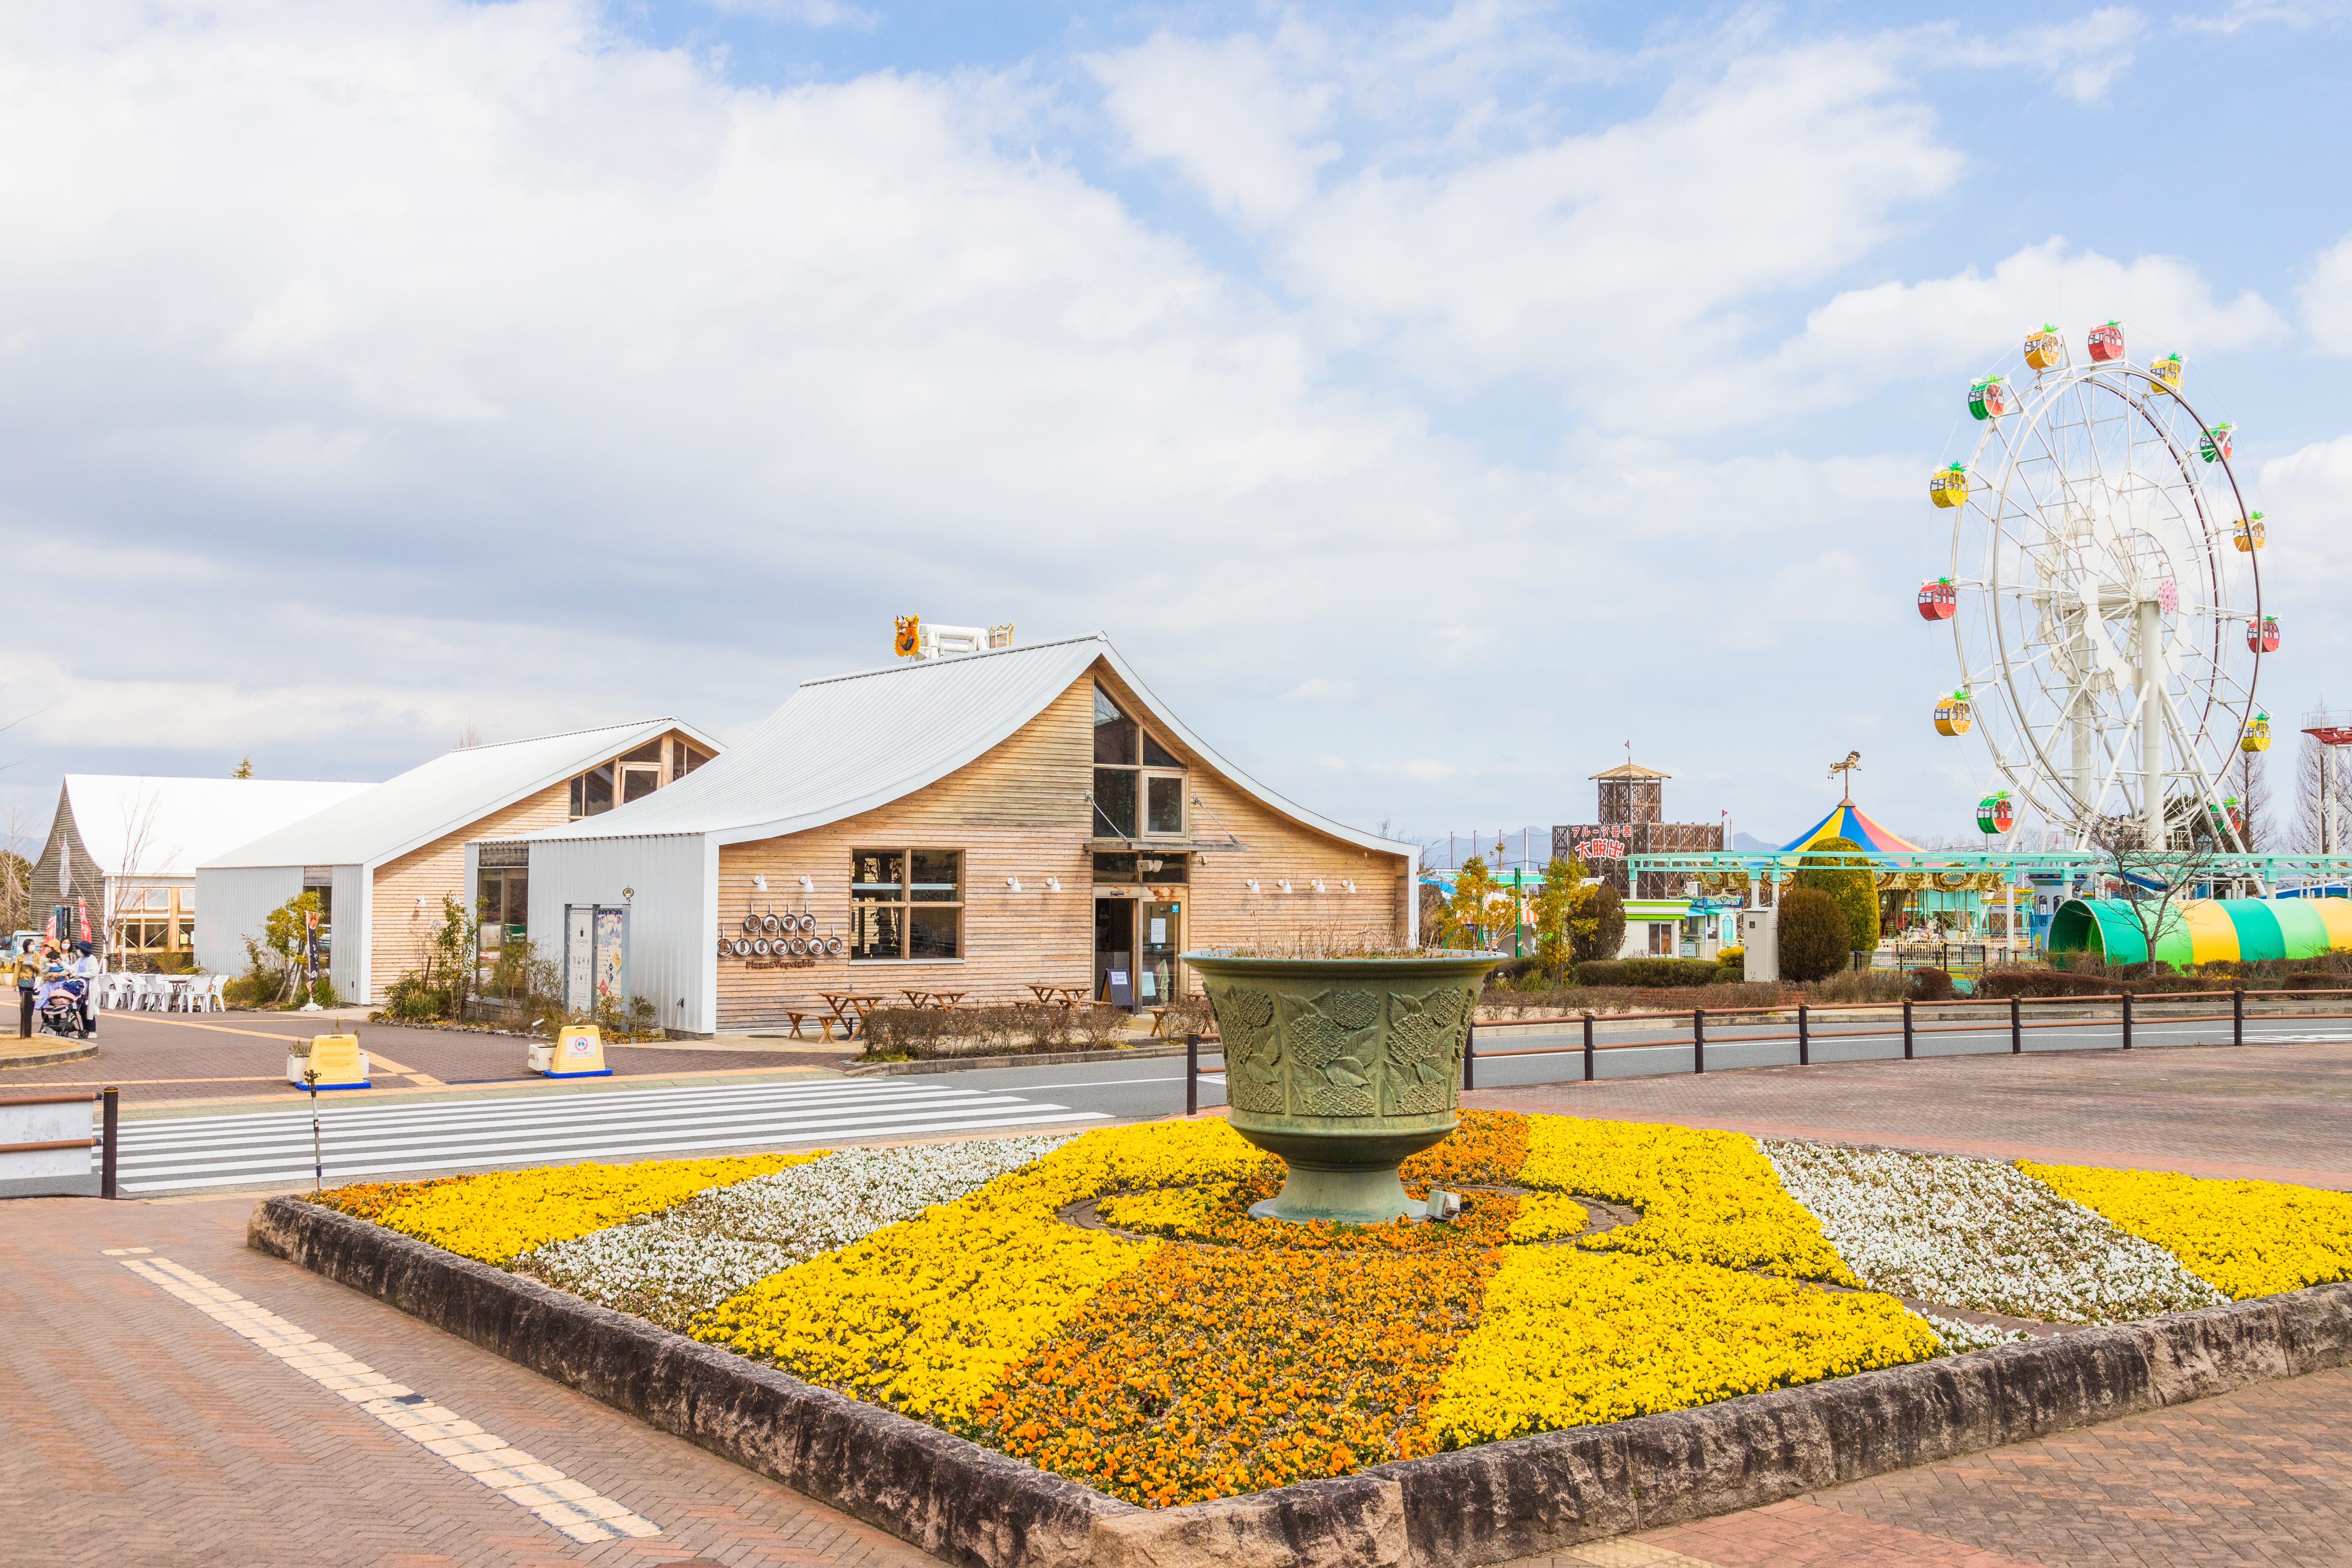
x: 848, y: 744
x: 165, y: 827
x: 450, y: 793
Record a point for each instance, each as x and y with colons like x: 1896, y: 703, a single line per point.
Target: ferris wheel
x: 2104, y: 594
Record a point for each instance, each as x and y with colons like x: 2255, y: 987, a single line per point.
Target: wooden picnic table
x: 947, y: 1000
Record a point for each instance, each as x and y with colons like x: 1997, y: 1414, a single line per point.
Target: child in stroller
x: 60, y: 1003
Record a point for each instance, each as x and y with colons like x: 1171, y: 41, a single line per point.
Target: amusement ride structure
x: 2104, y: 595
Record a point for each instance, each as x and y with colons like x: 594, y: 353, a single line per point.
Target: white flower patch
x: 1980, y: 1235
x: 1960, y: 1338
x: 671, y: 1265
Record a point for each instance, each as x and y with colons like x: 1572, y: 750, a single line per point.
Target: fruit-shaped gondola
x: 1996, y: 814
x: 2218, y: 442
x: 2107, y: 342
x: 1949, y: 487
x: 1939, y: 600
x: 1992, y: 397
x: 2045, y: 350
x: 2257, y: 737
x: 2167, y: 373
x: 2263, y: 635
x: 1954, y: 714
x: 2249, y: 534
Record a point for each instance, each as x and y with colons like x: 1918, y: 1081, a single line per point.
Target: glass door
x: 1155, y: 978
x: 1115, y: 952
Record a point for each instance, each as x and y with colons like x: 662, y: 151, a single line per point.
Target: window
x: 505, y: 908
x: 634, y: 775
x: 1123, y: 791
x: 687, y: 759
x: 591, y: 792
x: 906, y: 904
x: 1123, y: 868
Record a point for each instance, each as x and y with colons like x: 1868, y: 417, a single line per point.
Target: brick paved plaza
x: 145, y: 1432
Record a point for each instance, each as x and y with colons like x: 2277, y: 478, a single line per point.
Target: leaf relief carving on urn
x: 1334, y: 1053
x: 1253, y: 1052
x: 1425, y: 1037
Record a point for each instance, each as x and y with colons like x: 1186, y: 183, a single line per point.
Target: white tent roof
x: 165, y: 827
x: 450, y: 793
x: 851, y: 743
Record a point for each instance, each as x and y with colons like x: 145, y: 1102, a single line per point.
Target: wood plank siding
x: 1021, y: 811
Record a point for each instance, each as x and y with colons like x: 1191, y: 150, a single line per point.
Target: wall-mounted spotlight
x: 759, y: 881
x: 1282, y: 885
x: 1013, y: 883
x: 1053, y: 884
x: 1345, y: 883
x: 808, y: 884
x: 1251, y: 884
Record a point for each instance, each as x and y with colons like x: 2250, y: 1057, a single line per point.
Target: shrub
x: 245, y: 991
x: 1650, y: 971
x: 1608, y: 933
x: 1732, y: 957
x: 1932, y: 986
x: 1183, y: 1017
x: 409, y: 1000
x: 1864, y: 986
x: 1814, y: 933
x: 322, y: 992
x: 1855, y: 886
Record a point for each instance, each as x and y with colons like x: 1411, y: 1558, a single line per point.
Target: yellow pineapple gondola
x: 2045, y: 350
x: 1953, y: 714
x: 2257, y: 737
x: 1949, y: 487
x: 2165, y: 372
x: 2249, y: 534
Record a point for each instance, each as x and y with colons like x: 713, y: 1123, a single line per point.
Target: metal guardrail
x: 1909, y: 1028
x: 105, y: 1141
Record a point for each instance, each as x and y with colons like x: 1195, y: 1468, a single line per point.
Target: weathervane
x: 1853, y: 761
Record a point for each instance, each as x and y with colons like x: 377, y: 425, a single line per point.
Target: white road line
x: 531, y: 1108
x: 572, y: 1509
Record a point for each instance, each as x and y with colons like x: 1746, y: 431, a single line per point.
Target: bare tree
x: 468, y: 737
x: 139, y: 854
x: 2323, y: 797
x: 2152, y: 884
x: 2247, y: 779
x: 15, y: 875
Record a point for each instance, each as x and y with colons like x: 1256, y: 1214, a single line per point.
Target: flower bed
x: 967, y: 1286
x: 2250, y: 1238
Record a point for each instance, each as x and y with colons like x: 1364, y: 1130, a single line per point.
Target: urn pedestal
x: 1343, y: 1067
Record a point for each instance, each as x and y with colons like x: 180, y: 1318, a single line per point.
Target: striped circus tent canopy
x: 1850, y: 821
x: 2237, y: 928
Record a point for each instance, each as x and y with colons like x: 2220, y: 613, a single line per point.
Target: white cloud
x: 1427, y: 769
x: 1321, y: 688
x: 2081, y: 58
x: 2328, y: 299
x: 1222, y: 113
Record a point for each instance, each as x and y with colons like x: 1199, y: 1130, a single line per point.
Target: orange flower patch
x: 1218, y: 1213
x: 1489, y: 1147
x: 1210, y: 1372
x: 369, y: 1200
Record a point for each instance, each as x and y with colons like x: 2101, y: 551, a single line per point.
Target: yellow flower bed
x: 1570, y: 1339
x: 2245, y: 1239
x: 1545, y: 1215
x: 927, y: 1315
x: 502, y: 1214
x: 1705, y: 1197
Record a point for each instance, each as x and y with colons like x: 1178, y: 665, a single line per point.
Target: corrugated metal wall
x: 347, y: 966
x: 666, y: 882
x: 232, y: 905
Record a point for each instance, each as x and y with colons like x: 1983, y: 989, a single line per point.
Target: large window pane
x: 1165, y: 798
x: 1115, y: 801
x: 936, y: 880
x: 1171, y: 869
x: 876, y: 930
x: 596, y: 789
x: 638, y: 783
x: 1114, y: 868
x: 876, y: 874
x: 931, y: 932
x: 648, y: 752
x: 1156, y: 755
x: 1114, y: 732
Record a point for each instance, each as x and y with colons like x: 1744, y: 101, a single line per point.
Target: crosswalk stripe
x: 384, y: 1140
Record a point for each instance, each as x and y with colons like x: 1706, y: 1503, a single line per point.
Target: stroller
x: 60, y: 1006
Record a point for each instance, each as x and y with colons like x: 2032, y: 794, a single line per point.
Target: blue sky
x: 1428, y: 399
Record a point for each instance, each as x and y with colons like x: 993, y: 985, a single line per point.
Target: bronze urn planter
x: 1342, y: 1066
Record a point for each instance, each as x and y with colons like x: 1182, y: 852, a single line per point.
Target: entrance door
x: 1115, y: 952
x: 1155, y: 977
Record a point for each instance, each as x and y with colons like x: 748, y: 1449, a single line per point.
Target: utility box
x: 1759, y: 937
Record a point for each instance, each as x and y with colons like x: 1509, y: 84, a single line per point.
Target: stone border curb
x: 80, y: 1053
x: 1501, y: 1500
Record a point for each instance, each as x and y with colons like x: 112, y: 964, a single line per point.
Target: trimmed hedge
x: 1655, y: 973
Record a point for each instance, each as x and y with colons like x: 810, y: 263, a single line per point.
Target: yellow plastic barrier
x: 577, y: 1051
x: 336, y: 1058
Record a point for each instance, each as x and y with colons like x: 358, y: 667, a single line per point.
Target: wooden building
x: 1632, y: 810
x: 976, y: 825
x: 382, y: 860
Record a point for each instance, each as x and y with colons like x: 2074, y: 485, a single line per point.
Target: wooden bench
x: 824, y: 1022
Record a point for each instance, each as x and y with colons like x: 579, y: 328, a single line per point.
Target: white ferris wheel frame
x: 2058, y: 536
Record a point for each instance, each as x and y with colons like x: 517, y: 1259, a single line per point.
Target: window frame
x: 1141, y: 773
x: 907, y: 904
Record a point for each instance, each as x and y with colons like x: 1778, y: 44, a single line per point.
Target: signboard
x: 1601, y: 849
x: 612, y: 955
x: 579, y: 957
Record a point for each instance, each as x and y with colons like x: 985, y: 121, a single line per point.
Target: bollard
x: 2126, y: 1020
x: 1469, y: 1054
x: 1588, y: 1047
x: 2237, y: 1016
x: 1698, y: 1039
x: 109, y: 1099
x: 1906, y: 1028
x: 2016, y: 1029
x: 1804, y: 1039
x: 1191, y: 1072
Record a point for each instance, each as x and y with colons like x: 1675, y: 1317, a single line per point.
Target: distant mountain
x: 1748, y: 841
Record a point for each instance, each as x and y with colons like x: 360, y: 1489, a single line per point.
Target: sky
x: 1430, y: 401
